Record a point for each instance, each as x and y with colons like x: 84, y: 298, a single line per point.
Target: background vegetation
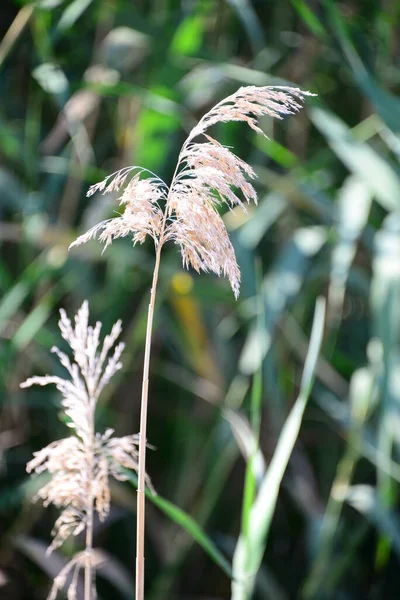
x: 88, y: 87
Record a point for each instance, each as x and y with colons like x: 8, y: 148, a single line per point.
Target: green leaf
x: 33, y: 323
x: 353, y: 208
x: 250, y: 550
x: 72, y: 13
x: 360, y: 396
x: 387, y: 105
x: 53, y: 81
x: 188, y: 36
x: 280, y: 287
x: 361, y: 159
x: 181, y: 518
x: 385, y: 297
x: 262, y: 219
x: 251, y: 23
x: 309, y: 17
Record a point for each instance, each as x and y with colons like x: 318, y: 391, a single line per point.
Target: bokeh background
x: 88, y: 87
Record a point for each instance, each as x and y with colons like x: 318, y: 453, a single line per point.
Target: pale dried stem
x: 89, y: 527
x: 140, y: 510
x: 140, y: 514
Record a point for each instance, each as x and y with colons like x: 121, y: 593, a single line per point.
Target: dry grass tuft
x: 80, y: 465
x: 207, y: 175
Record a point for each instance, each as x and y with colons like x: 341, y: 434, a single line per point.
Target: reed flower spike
x: 206, y: 176
x: 80, y: 465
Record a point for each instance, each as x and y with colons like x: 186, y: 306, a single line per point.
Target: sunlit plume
x: 207, y: 176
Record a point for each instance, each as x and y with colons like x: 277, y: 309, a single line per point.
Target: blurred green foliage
x: 88, y: 87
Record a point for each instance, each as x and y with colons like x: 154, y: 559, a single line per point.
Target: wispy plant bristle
x: 207, y: 175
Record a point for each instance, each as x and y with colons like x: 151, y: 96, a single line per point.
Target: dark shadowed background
x: 89, y: 86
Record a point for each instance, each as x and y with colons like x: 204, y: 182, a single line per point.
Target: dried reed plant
x: 80, y: 465
x: 207, y: 175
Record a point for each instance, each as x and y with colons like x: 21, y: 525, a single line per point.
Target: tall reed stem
x: 140, y: 514
x: 140, y: 510
x: 89, y: 526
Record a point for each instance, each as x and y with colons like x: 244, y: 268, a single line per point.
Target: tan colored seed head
x: 207, y: 175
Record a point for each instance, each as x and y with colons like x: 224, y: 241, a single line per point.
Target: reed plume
x: 207, y: 175
x: 80, y: 465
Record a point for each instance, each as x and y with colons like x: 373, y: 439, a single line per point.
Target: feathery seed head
x: 251, y: 102
x: 206, y: 176
x: 142, y: 215
x: 80, y: 465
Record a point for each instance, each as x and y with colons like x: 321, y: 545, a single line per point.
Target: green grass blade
x: 249, y: 552
x: 385, y: 295
x: 361, y: 159
x: 181, y: 518
x: 353, y: 208
x: 310, y: 19
x: 281, y: 286
x: 72, y: 13
x: 361, y: 387
x: 386, y: 104
x: 250, y: 484
x: 14, y: 297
